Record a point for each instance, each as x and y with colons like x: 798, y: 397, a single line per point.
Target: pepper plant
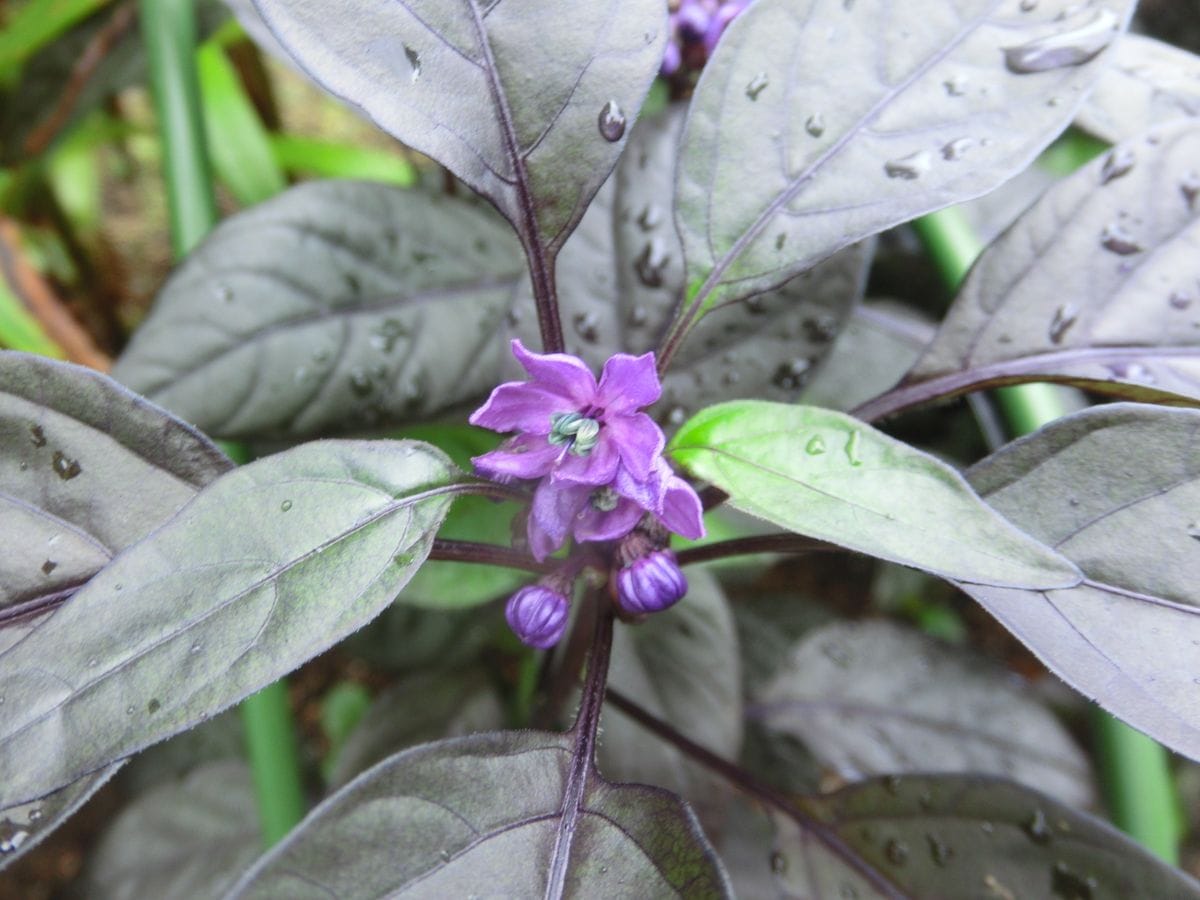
x: 641, y: 281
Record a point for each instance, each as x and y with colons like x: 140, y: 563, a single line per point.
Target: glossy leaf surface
x: 815, y: 126
x: 528, y: 103
x: 1149, y: 83
x: 336, y: 305
x: 1097, y: 285
x: 1116, y: 489
x: 963, y: 836
x: 268, y: 566
x: 86, y: 469
x: 825, y: 475
x: 871, y: 698
x: 449, y: 818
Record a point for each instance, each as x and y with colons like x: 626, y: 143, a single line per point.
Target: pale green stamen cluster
x: 575, y: 429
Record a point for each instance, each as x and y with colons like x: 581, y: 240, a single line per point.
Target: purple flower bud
x: 692, y: 21
x: 726, y: 14
x: 537, y: 615
x: 672, y: 59
x: 650, y: 584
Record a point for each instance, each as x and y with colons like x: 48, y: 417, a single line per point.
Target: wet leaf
x: 184, y: 840
x: 1097, y: 285
x: 86, y: 468
x: 872, y: 698
x: 811, y: 130
x: 1116, y: 489
x: 23, y: 826
x: 268, y: 566
x: 963, y: 836
x: 495, y: 822
x: 528, y: 103
x: 681, y: 666
x: 336, y: 305
x: 825, y: 475
x: 621, y: 276
x: 1149, y: 83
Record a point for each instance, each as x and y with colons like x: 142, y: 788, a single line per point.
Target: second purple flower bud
x: 538, y: 614
x: 650, y: 583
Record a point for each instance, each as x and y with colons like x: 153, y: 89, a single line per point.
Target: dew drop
x: 815, y: 125
x: 637, y: 317
x: 1028, y: 5
x: 851, y: 448
x: 49, y: 566
x: 587, y: 326
x: 611, y: 122
x: 1068, y: 48
x: 778, y: 863
x: 153, y: 706
x: 37, y: 435
x: 223, y: 292
x: 14, y: 841
x: 848, y: 892
x: 321, y: 354
x: 896, y: 852
x: 780, y: 240
x: 384, y: 338
x: 956, y: 148
x: 1068, y: 885
x: 1119, y: 162
x: 360, y: 382
x: 1116, y: 239
x: 1193, y: 531
x: 1179, y: 300
x: 1064, y: 318
x: 130, y: 710
x: 1132, y: 372
x: 196, y: 647
x: 815, y: 445
x: 908, y: 167
x: 790, y: 375
x: 35, y: 814
x: 285, y: 505
x: 93, y: 662
x: 757, y: 85
x: 651, y: 262
x: 939, y: 852
x: 414, y: 60
x: 956, y: 85
x: 1190, y: 188
x: 65, y: 468
x: 1036, y: 829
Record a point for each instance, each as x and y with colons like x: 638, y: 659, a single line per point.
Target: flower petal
x: 598, y: 466
x: 640, y: 441
x: 559, y: 372
x: 682, y: 511
x: 551, y: 515
x: 628, y: 383
x: 646, y: 492
x: 593, y: 524
x: 521, y: 406
x: 524, y: 456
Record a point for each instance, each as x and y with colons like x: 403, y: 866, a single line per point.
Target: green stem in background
x: 1135, y: 773
x: 169, y: 32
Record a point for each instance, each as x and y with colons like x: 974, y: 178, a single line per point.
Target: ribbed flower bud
x: 537, y: 614
x: 650, y: 584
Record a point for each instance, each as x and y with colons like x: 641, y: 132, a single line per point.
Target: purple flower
x: 537, y: 614
x: 650, y: 584
x: 695, y: 27
x: 598, y: 458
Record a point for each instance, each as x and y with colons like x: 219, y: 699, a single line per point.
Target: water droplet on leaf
x: 1068, y: 885
x: 909, y: 167
x: 153, y: 706
x: 757, y: 85
x: 1064, y: 318
x: 649, y: 217
x: 778, y: 863
x: 587, y: 326
x: 1119, y: 162
x: 1190, y: 188
x: 611, y: 122
x: 1067, y: 48
x: 360, y: 382
x: 1116, y: 239
x: 815, y: 445
x: 1036, y: 829
x: 65, y: 468
x: 939, y: 852
x: 815, y: 125
x: 1179, y: 300
x: 651, y: 262
x: 956, y: 148
x: 637, y: 316
x: 414, y: 60
x: 896, y: 852
x: 1028, y: 5
x: 851, y: 448
x: 956, y: 85
x: 37, y: 435
x: 49, y: 566
x: 285, y: 505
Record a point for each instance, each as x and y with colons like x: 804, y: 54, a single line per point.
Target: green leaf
x: 813, y: 128
x: 962, y: 836
x: 336, y: 305
x: 825, y: 475
x: 494, y: 827
x: 682, y: 666
x: 621, y: 277
x: 86, y: 469
x: 1116, y: 489
x: 527, y: 102
x: 1149, y: 83
x: 185, y: 840
x: 1095, y: 285
x: 872, y: 698
x: 268, y: 566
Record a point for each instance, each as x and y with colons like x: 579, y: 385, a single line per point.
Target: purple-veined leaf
x: 818, y: 124
x: 1096, y: 285
x: 527, y: 102
x: 183, y: 840
x: 823, y: 474
x: 1149, y: 83
x: 482, y: 814
x: 1116, y: 489
x: 335, y: 305
x: 871, y: 698
x: 268, y: 566
x: 942, y: 836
